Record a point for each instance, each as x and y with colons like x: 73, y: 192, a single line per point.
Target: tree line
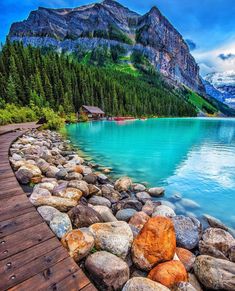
x: 46, y: 78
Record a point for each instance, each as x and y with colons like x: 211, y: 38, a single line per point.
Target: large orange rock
x: 155, y: 243
x: 186, y: 257
x: 169, y: 273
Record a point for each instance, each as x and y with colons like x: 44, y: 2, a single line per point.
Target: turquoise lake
x: 191, y: 156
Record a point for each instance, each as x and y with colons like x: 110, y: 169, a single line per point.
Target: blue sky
x: 208, y: 24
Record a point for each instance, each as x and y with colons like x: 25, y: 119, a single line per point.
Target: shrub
x: 53, y: 120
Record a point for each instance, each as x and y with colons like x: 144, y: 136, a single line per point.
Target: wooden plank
x: 19, y: 223
x: 73, y: 282
x: 90, y: 287
x: 10, y: 193
x: 30, y: 269
x: 48, y: 279
x: 13, y: 206
x: 24, y: 239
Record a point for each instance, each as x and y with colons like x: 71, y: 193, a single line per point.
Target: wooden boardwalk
x: 31, y: 257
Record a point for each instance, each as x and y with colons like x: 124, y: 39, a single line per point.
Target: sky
x: 207, y: 25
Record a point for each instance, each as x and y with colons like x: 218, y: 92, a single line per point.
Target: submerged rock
x: 155, y: 243
x: 156, y: 191
x: 163, y: 210
x: 107, y: 270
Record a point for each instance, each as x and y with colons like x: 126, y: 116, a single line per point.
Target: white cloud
x: 209, y: 61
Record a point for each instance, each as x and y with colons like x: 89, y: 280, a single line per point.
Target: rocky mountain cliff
x: 110, y: 23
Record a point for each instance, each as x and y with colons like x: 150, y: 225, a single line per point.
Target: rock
x: 62, y: 204
x: 194, y: 282
x: 60, y: 224
x: 61, y: 174
x: 125, y: 214
x: 103, y: 179
x: 105, y: 213
x: 188, y: 203
x: 139, y: 188
x: 80, y: 185
x: 27, y: 172
x: 51, y: 172
x: 143, y: 284
x: 231, y: 254
x: 169, y: 273
x: 48, y: 185
x: 93, y: 189
x: 78, y: 243
x: 87, y: 170
x: 78, y: 169
x: 187, y: 231
x: 84, y: 216
x: 90, y: 179
x: 155, y: 243
x: 111, y: 194
x: 186, y: 257
x: 60, y: 188
x: 16, y: 157
x: 163, y: 210
x: 74, y: 176
x: 184, y: 286
x: 115, y: 237
x: 138, y: 220
x: 98, y: 200
x: 48, y: 212
x: 216, y: 242
x: 169, y: 204
x: 107, y: 271
x: 148, y: 207
x: 71, y: 193
x: 215, y: 273
x: 36, y: 180
x: 128, y: 203
x: 214, y: 222
x: 123, y: 184
x: 143, y: 196
x: 156, y: 191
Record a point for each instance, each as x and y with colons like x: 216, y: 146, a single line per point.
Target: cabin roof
x: 93, y: 109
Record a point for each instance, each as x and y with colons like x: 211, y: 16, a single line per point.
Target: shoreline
x: 100, y: 219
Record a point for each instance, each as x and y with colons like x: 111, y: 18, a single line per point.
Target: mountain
x: 221, y: 85
x: 110, y: 24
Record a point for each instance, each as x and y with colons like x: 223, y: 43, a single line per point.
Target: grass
x: 201, y: 103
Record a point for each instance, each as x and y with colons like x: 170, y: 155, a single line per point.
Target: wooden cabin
x: 92, y: 112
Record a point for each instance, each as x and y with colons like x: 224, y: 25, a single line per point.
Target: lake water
x: 193, y: 157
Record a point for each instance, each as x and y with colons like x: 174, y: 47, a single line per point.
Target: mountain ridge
x: 152, y: 34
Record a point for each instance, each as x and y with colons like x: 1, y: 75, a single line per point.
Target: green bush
x: 53, y: 120
x: 14, y: 114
